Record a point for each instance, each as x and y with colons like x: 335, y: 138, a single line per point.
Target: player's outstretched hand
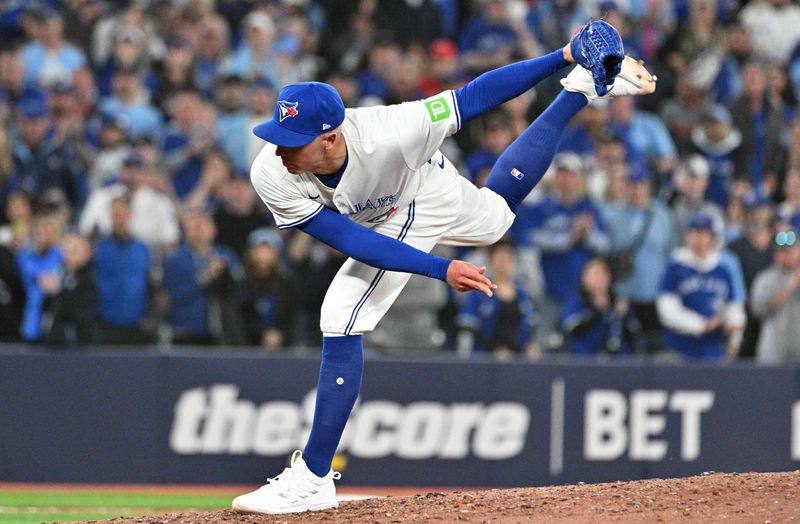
x: 464, y: 276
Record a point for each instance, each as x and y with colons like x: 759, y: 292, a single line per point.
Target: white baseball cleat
x: 295, y: 490
x: 633, y: 79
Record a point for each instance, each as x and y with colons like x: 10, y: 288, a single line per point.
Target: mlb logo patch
x: 516, y: 173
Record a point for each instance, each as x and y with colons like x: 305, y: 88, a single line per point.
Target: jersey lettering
x: 378, y: 203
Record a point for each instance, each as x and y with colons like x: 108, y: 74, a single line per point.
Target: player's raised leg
x: 524, y: 162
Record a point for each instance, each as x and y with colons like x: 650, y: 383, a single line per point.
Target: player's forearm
x: 374, y: 249
x: 504, y: 83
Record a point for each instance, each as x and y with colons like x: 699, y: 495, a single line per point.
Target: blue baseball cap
x: 754, y: 198
x: 303, y: 112
x: 33, y: 106
x: 639, y: 172
x: 265, y: 235
x: 701, y: 220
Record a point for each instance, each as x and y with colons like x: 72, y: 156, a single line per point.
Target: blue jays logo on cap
x: 322, y: 110
x: 287, y: 109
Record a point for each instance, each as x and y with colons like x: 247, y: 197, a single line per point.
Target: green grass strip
x: 110, y: 500
x: 30, y: 507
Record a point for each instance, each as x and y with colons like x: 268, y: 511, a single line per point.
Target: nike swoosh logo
x: 441, y: 164
x: 313, y: 197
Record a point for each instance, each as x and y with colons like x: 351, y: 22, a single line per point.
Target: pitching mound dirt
x: 716, y: 497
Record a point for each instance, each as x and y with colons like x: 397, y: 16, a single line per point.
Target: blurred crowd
x: 667, y: 225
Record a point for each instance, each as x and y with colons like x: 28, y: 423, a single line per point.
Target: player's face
x: 304, y: 159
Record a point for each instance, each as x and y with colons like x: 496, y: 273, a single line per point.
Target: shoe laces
x: 289, y: 475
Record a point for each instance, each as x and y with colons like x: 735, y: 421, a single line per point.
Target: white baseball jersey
x: 397, y: 183
x: 390, y: 151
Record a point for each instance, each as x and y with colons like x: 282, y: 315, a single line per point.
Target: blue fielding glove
x: 598, y: 47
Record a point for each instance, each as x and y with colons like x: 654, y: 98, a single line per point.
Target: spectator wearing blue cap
x: 43, y: 160
x: 643, y: 236
x: 754, y: 253
x: 267, y: 306
x: 697, y: 301
x: 49, y: 56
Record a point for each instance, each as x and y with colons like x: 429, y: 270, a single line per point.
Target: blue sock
x: 337, y: 390
x: 524, y: 162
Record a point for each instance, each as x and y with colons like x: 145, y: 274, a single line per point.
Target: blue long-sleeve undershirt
x: 372, y: 248
x: 486, y: 92
x: 494, y: 87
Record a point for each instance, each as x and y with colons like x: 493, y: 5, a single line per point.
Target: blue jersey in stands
x: 707, y: 293
x: 547, y: 226
x: 480, y: 313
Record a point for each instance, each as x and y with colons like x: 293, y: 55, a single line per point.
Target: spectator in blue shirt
x: 129, y: 98
x: 501, y: 325
x: 200, y: 282
x: 697, y: 303
x: 39, y: 269
x: 488, y: 40
x: 644, y: 134
x: 122, y: 272
x: 49, y: 57
x: 568, y: 230
x: 595, y: 320
x: 642, y: 232
x: 254, y: 57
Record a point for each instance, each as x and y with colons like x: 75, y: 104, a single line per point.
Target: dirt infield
x: 715, y: 497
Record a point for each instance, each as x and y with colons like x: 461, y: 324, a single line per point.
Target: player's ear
x: 330, y: 138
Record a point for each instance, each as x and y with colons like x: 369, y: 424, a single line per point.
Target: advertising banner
x: 234, y: 418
